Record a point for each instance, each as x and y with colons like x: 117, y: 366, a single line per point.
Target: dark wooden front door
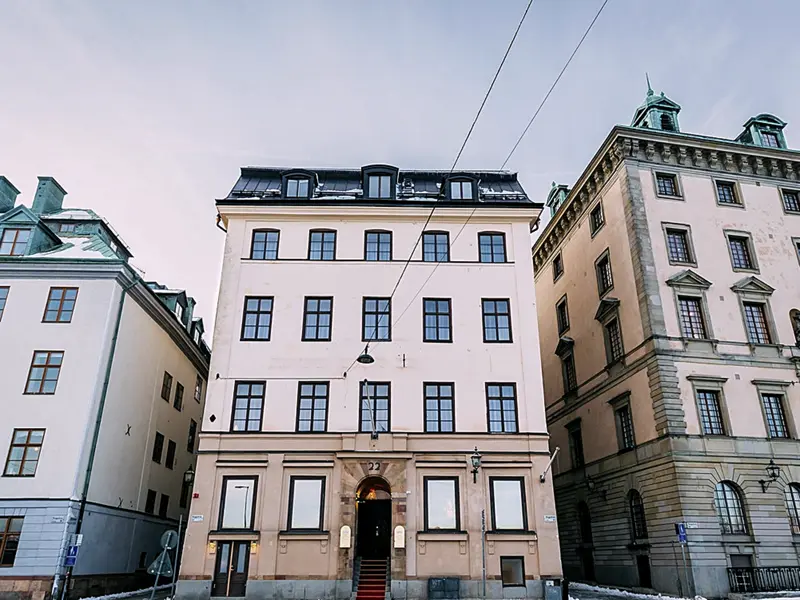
x: 230, y: 573
x: 643, y: 565
x: 374, y: 530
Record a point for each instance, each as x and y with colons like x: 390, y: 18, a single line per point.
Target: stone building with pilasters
x: 668, y: 283
x: 320, y: 475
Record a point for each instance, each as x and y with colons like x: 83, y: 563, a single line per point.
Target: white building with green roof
x: 104, y: 379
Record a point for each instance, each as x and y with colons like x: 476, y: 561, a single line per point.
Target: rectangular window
x: 776, y: 417
x: 158, y: 447
x: 14, y: 242
x: 23, y: 453
x: 198, y: 389
x: 501, y: 401
x: 512, y: 571
x: 238, y: 502
x: 317, y: 319
x: 596, y: 219
x: 312, y: 406
x: 376, y: 320
x: 378, y: 245
x: 436, y: 318
x: 667, y: 184
x: 441, y: 504
x: 166, y: 386
x: 297, y: 187
x: 265, y: 244
x: 558, y: 267
x: 741, y: 252
x: 435, y: 246
x: 755, y: 318
x: 568, y: 373
x: 10, y: 529
x: 605, y: 279
x: 507, y: 496
x: 171, y: 448
x: 678, y: 246
x: 322, y: 245
x: 770, y: 139
x: 562, y: 316
x: 710, y: 412
x: 624, y: 427
x: 66, y: 228
x: 306, y: 502
x: 576, y: 446
x: 163, y: 506
x: 439, y: 407
x: 257, y: 319
x: 496, y: 320
x: 3, y: 299
x: 726, y: 193
x: 374, y: 415
x: 461, y: 190
x: 692, y: 321
x: 614, y: 341
x: 248, y: 406
x: 44, y: 372
x: 150, y: 503
x: 380, y: 186
x: 791, y: 201
x: 492, y: 247
x: 178, y: 402
x: 60, y: 305
x: 192, y: 437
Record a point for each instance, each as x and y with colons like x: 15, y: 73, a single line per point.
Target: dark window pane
x: 492, y: 247
x: 502, y: 407
x: 312, y: 406
x: 247, y: 401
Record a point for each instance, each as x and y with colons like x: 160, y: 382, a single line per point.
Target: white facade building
x: 313, y: 484
x: 86, y: 347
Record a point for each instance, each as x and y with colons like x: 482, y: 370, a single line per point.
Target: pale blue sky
x: 145, y: 110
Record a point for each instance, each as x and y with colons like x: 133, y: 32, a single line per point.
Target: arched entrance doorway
x: 373, y: 518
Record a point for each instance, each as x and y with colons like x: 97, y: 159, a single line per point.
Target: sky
x: 145, y: 110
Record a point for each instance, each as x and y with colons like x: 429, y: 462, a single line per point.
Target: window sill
x: 668, y: 197
x: 735, y: 539
x: 442, y: 536
x: 234, y: 534
x: 306, y: 535
x: 640, y: 545
x: 511, y: 535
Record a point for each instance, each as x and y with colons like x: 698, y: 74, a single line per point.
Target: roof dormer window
x: 179, y: 311
x: 297, y: 187
x: 380, y: 186
x: 14, y: 242
x: 461, y: 189
x: 770, y: 139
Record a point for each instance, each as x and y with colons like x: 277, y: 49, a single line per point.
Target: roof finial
x: 649, y: 87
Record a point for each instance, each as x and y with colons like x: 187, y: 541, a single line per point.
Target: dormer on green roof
x: 764, y: 130
x: 657, y: 112
x: 558, y: 194
x: 22, y: 233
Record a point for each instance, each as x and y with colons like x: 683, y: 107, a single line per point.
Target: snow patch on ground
x: 595, y: 590
x: 123, y: 595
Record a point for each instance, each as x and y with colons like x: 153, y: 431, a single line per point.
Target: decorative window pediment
x: 607, y: 308
x: 752, y: 285
x: 688, y: 279
x: 565, y: 344
x: 19, y: 215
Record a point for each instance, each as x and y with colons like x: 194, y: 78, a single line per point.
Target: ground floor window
x: 512, y: 570
x: 10, y: 528
x: 238, y: 502
x: 306, y: 498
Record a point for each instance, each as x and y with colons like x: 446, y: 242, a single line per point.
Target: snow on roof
x: 79, y: 247
x: 86, y: 214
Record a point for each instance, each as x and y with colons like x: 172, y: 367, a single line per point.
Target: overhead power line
x: 527, y: 127
x: 455, y: 162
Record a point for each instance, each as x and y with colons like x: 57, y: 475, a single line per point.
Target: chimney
x: 189, y: 312
x: 49, y: 196
x: 8, y: 194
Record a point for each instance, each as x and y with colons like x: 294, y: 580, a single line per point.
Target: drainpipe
x: 97, y: 423
x: 219, y: 223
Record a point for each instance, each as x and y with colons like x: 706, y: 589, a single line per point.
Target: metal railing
x: 763, y: 579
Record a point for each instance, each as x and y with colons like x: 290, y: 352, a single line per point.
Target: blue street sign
x: 72, y: 556
x: 680, y: 529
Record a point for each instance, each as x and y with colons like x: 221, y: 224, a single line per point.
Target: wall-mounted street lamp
x: 592, y: 485
x: 188, y: 476
x: 476, y: 464
x: 773, y: 472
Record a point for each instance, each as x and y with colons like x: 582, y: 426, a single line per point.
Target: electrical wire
x: 455, y: 162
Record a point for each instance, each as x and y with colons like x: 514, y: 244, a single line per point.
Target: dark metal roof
x: 265, y: 183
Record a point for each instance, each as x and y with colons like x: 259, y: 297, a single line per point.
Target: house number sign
x: 373, y: 466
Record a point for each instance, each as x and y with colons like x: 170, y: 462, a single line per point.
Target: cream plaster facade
x: 321, y: 562
x: 671, y: 461
x: 95, y: 464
